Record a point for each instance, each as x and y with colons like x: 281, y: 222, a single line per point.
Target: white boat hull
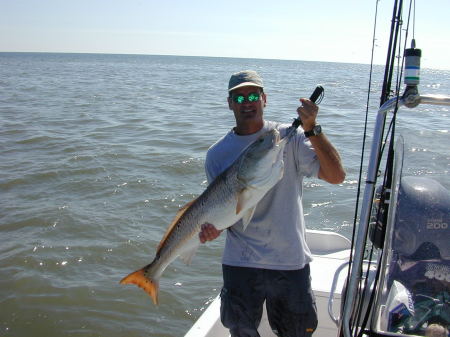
x: 330, y: 251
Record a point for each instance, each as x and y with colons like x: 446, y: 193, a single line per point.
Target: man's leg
x: 242, y: 299
x: 291, y: 306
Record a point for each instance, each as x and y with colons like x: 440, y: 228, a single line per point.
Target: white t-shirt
x: 275, y: 237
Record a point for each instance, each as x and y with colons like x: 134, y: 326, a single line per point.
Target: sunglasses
x: 252, y: 97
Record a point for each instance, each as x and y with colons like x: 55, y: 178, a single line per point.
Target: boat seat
x: 324, y: 242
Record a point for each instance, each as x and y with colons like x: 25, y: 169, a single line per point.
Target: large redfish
x: 232, y: 196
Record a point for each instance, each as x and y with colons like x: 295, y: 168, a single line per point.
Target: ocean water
x: 97, y: 153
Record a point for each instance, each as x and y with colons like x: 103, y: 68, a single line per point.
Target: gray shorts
x: 290, y: 302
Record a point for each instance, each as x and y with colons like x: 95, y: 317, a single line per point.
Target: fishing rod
x: 354, y: 320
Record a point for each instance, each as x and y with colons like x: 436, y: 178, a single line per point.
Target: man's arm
x: 331, y: 169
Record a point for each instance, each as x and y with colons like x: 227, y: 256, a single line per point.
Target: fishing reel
x: 377, y: 225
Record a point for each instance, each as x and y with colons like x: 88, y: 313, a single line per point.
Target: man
x: 269, y: 261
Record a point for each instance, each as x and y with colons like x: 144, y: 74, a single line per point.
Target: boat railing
x: 336, y: 278
x: 332, y: 291
x: 414, y: 100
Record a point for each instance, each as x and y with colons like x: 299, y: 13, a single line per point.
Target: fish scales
x: 232, y: 196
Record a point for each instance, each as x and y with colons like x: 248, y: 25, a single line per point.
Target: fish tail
x: 139, y: 278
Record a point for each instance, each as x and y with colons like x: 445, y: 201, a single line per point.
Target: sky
x: 309, y: 30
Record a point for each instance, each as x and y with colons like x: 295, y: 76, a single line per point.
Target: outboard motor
x: 418, y: 280
x: 422, y: 220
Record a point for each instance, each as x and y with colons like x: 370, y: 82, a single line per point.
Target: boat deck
x: 330, y: 251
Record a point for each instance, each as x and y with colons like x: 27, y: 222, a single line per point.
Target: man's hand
x: 208, y: 233
x: 331, y: 169
x: 307, y: 113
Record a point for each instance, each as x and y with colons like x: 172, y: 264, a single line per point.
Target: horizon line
x: 201, y: 56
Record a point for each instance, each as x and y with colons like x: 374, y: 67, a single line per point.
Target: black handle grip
x: 316, y: 94
x: 313, y: 98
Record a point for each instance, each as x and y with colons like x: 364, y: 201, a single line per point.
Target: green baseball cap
x: 245, y: 78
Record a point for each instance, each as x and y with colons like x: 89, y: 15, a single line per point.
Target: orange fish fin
x: 171, y: 227
x: 138, y: 278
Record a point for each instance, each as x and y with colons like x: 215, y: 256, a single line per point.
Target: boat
x: 330, y: 252
x: 393, y: 277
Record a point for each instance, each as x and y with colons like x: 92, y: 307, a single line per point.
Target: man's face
x: 247, y: 112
